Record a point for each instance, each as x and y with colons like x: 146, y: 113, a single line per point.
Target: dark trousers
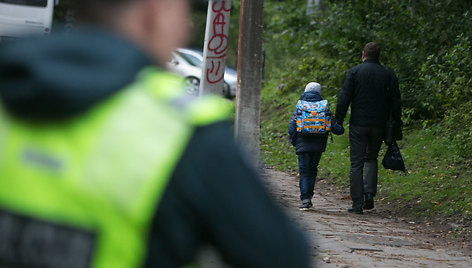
x: 365, y: 144
x: 308, y: 168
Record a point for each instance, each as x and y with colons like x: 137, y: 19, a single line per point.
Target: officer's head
x: 158, y: 26
x: 371, y: 51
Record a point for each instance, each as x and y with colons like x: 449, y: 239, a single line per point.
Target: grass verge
x: 436, y: 188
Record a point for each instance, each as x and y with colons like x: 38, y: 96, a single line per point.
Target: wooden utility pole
x: 248, y: 95
x: 216, y: 44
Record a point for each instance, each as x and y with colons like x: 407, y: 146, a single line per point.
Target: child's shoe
x: 306, y: 204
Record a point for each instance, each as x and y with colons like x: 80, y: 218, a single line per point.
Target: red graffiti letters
x: 222, y: 7
x: 218, y: 42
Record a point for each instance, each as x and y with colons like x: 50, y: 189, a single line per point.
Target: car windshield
x: 33, y: 3
x: 192, y: 60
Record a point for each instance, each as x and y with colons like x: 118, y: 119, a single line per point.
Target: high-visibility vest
x: 82, y: 192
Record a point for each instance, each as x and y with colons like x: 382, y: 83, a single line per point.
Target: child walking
x: 308, y: 129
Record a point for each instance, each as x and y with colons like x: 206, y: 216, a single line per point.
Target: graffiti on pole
x: 216, y: 44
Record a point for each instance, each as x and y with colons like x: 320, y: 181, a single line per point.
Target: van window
x: 33, y: 3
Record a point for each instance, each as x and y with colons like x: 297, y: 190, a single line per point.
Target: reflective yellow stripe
x: 199, y: 111
x: 206, y: 110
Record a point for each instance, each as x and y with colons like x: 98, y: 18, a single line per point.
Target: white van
x: 25, y: 17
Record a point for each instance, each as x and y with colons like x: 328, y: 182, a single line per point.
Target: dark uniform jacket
x: 372, y: 91
x: 304, y: 143
x: 213, y: 198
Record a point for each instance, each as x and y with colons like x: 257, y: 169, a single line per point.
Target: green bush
x: 447, y: 84
x: 428, y: 45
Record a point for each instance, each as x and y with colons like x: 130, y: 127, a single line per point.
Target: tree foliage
x: 427, y: 43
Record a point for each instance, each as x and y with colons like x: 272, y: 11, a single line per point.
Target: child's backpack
x: 313, y: 118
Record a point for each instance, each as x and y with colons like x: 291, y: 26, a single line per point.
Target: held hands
x: 337, y: 128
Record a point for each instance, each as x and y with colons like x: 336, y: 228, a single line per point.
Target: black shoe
x: 356, y: 211
x: 306, y: 204
x: 369, y: 201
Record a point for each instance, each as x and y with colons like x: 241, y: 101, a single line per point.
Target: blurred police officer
x: 104, y: 163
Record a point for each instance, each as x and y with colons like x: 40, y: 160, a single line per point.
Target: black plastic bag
x: 393, y: 159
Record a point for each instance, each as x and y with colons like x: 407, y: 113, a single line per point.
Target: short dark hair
x: 372, y: 51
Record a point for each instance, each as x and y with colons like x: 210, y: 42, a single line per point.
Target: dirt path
x: 341, y: 239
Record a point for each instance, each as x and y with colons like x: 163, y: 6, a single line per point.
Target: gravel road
x: 341, y: 239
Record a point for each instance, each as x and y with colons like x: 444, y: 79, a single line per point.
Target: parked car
x: 25, y: 17
x: 188, y: 63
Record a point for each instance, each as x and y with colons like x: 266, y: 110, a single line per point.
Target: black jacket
x: 214, y: 196
x: 301, y: 142
x: 372, y: 91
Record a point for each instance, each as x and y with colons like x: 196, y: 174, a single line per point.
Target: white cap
x: 313, y: 86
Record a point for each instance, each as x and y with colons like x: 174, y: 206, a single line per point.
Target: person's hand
x: 337, y: 128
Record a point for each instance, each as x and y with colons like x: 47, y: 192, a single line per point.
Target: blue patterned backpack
x: 313, y: 118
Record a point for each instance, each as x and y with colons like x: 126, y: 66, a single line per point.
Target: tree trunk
x: 412, y: 7
x: 312, y: 7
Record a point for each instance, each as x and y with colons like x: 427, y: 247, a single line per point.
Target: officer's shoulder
x: 169, y: 87
x: 208, y: 109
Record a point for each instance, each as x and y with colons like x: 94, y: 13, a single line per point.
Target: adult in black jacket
x: 372, y: 92
x: 308, y: 149
x: 213, y: 198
